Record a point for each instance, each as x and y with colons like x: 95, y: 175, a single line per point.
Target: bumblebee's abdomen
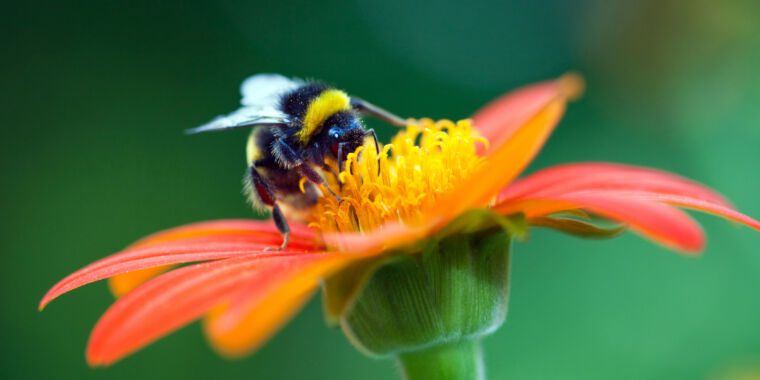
x: 259, y: 144
x: 286, y: 187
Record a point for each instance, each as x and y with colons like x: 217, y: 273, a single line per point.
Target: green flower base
x: 431, y: 308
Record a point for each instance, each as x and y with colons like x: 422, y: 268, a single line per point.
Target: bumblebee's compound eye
x: 336, y: 137
x: 335, y: 133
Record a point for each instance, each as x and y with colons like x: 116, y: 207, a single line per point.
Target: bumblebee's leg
x: 367, y: 108
x: 282, y: 225
x: 314, y: 177
x: 290, y: 158
x: 335, y: 174
x: 264, y: 190
x: 340, y: 156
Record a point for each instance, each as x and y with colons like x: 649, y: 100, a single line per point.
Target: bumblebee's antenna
x: 371, y: 132
x: 367, y: 108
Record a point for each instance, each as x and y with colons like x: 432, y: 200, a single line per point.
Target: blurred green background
x: 95, y: 96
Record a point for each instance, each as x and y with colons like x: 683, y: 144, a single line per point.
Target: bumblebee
x: 299, y: 128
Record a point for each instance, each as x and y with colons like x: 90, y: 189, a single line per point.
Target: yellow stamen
x: 302, y: 184
x: 422, y: 161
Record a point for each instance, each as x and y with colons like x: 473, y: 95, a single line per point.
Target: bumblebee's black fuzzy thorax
x: 296, y: 102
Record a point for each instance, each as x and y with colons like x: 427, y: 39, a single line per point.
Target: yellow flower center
x: 422, y: 162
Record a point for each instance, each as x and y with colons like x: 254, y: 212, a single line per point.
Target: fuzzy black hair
x: 295, y: 102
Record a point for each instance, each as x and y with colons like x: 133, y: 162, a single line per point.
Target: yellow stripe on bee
x: 322, y: 107
x: 252, y: 151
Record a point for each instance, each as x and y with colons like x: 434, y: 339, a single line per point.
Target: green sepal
x: 455, y: 290
x: 483, y: 219
x: 339, y: 291
x: 580, y: 228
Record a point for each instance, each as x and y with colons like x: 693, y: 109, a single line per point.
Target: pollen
x: 397, y: 182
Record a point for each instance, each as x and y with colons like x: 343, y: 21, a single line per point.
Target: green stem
x: 454, y: 361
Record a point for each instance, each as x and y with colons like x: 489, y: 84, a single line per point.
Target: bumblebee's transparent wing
x: 261, y: 94
x: 263, y: 90
x: 238, y: 120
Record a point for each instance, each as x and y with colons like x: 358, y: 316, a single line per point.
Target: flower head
x: 429, y: 175
x: 402, y: 180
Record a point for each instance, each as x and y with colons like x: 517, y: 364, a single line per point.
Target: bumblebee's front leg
x: 314, y: 177
x: 329, y: 169
x: 263, y: 189
x: 288, y: 156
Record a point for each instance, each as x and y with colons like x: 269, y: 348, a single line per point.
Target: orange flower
x: 431, y: 174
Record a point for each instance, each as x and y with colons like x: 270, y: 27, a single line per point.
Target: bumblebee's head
x: 344, y: 135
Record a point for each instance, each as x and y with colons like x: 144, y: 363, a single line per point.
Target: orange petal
x: 695, y: 204
x: 260, y: 231
x: 503, y: 165
x: 499, y: 120
x: 388, y: 236
x: 197, y: 242
x: 263, y: 229
x: 612, y: 180
x: 267, y: 302
x: 172, y: 300
x: 659, y: 222
x: 568, y: 178
x: 155, y: 257
x: 124, y: 283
